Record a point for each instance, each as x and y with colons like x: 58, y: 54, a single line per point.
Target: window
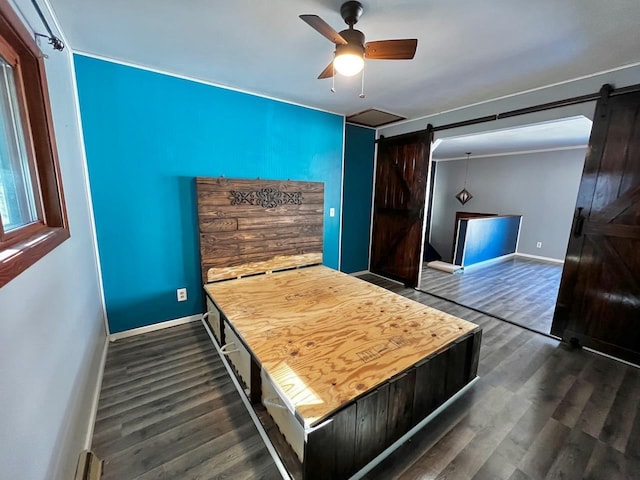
x: 32, y: 214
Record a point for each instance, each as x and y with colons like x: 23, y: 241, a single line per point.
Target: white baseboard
x: 156, y: 326
x: 385, y: 278
x: 611, y: 357
x: 96, y: 395
x: 537, y: 257
x: 361, y: 272
x: 489, y: 262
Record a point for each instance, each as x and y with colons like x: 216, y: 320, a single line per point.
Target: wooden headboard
x: 257, y: 226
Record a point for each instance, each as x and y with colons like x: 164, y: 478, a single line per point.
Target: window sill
x: 16, y: 258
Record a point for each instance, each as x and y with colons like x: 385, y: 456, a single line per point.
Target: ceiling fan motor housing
x: 351, y: 12
x: 355, y: 42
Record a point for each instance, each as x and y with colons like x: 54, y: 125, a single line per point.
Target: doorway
x: 531, y: 171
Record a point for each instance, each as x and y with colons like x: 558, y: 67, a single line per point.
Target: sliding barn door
x: 398, y: 215
x: 599, y: 299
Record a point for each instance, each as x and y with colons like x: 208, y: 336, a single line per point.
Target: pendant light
x: 464, y: 195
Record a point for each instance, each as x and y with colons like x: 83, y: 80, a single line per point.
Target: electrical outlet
x: 182, y: 294
x: 539, y: 245
x: 332, y: 212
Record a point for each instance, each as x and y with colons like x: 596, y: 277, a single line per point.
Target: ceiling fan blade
x: 324, y: 28
x: 327, y: 72
x: 391, y: 49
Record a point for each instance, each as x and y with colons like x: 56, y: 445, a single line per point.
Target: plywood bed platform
x: 343, y: 368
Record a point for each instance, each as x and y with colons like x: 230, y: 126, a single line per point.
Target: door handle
x: 579, y: 223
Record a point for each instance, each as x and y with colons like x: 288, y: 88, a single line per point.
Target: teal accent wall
x: 147, y: 136
x: 358, y: 187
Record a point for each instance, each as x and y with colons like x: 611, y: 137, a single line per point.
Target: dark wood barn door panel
x: 599, y: 298
x: 399, y: 201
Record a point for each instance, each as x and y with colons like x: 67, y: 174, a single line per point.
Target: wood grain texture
x: 402, y: 171
x: 267, y: 266
x: 580, y: 418
x: 371, y: 424
x: 519, y: 289
x: 253, y: 226
x: 168, y: 409
x: 400, y: 406
x: 598, y: 297
x: 325, y: 337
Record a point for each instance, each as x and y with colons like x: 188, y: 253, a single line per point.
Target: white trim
x: 394, y: 446
x: 272, y: 451
x: 523, y: 152
x: 455, y: 245
x: 96, y: 396
x: 156, y: 326
x: 373, y: 195
x: 519, y: 233
x: 358, y: 125
x: 344, y: 141
x: 516, y: 94
x: 538, y: 257
x: 55, y: 21
x: 433, y: 196
x: 602, y: 354
x: 484, y: 263
x: 89, y: 197
x: 361, y: 272
x: 385, y: 278
x: 425, y: 210
x: 199, y: 80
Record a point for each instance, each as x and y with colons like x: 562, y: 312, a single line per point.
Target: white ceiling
x: 566, y: 133
x: 468, y: 50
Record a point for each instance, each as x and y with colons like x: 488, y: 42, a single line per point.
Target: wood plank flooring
x: 519, y: 289
x: 168, y: 410
x: 539, y: 411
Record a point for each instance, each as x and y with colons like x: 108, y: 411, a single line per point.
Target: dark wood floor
x: 521, y: 290
x: 168, y: 410
x: 538, y: 411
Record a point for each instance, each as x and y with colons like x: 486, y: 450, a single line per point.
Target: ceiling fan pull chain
x: 333, y: 80
x: 362, y: 87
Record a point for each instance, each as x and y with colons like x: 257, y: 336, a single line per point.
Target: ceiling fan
x: 351, y: 49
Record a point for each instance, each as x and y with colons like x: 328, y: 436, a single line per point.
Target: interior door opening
x: 509, y: 240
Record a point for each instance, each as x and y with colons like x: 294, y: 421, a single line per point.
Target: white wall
x: 542, y: 187
x: 51, y: 323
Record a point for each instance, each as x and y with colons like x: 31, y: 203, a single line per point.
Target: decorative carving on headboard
x: 266, y: 197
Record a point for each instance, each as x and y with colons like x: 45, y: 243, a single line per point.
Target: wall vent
x: 89, y: 466
x: 373, y: 118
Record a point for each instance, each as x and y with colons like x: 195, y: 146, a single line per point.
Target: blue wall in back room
x: 358, y: 187
x: 147, y: 136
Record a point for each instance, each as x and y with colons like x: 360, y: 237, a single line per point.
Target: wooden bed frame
x: 339, y: 368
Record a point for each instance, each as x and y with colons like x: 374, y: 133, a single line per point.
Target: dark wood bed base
x: 360, y: 431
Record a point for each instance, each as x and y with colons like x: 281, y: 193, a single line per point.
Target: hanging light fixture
x: 464, y: 195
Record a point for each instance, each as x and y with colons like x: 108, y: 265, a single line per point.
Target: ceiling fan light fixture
x: 348, y: 64
x: 351, y: 48
x: 349, y: 59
